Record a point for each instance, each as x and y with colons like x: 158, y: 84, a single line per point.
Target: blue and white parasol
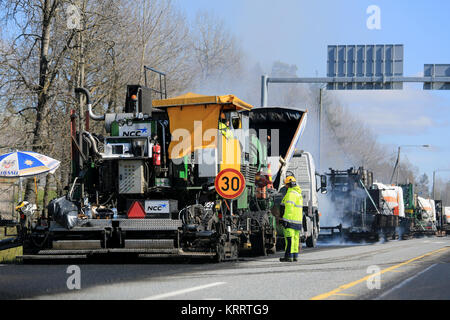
x: 26, y: 164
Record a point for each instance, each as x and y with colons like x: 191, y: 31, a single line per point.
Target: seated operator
x: 224, y: 127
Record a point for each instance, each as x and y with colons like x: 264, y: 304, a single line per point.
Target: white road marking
x: 404, y: 282
x: 178, y: 292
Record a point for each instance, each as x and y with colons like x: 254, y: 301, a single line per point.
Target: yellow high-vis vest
x: 226, y: 131
x: 293, y: 204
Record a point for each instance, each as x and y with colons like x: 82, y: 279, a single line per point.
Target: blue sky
x: 298, y: 32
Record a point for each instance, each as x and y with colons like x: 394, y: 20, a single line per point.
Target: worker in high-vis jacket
x: 292, y: 216
x: 224, y: 127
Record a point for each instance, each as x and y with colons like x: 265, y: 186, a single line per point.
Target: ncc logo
x: 135, y: 133
x: 156, y: 206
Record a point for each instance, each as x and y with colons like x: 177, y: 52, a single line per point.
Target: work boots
x: 290, y: 258
x: 284, y: 259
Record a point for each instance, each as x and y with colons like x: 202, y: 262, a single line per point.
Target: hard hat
x: 22, y: 204
x: 289, y: 179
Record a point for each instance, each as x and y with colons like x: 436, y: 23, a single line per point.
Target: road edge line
x: 354, y: 283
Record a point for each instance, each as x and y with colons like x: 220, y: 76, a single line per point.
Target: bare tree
x: 34, y: 61
x: 43, y: 58
x: 215, y: 50
x: 422, y: 186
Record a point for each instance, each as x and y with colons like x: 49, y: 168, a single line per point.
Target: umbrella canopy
x: 26, y: 164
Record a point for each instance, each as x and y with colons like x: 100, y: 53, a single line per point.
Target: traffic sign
x: 365, y: 61
x: 229, y: 183
x: 436, y: 71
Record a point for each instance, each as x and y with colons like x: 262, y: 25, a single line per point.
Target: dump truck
x: 447, y: 215
x: 446, y: 219
x: 427, y: 214
x: 149, y: 187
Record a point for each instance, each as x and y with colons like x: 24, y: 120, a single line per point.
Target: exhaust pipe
x: 88, y: 137
x: 92, y: 115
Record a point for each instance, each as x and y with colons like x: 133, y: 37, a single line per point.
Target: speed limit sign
x: 229, y: 183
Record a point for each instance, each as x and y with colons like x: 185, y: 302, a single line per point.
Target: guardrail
x: 9, y: 243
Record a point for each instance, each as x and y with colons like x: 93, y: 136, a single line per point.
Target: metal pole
x: 434, y: 185
x: 264, y: 90
x: 320, y: 124
x: 13, y: 200
x: 376, y: 79
x: 20, y: 190
x: 398, y: 169
x: 395, y: 166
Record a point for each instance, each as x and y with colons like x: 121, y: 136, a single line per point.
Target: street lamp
x: 434, y: 180
x: 320, y: 122
x: 397, y: 163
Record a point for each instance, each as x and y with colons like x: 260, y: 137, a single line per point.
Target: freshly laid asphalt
x: 401, y: 270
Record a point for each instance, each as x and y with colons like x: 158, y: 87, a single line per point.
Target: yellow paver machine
x: 183, y: 176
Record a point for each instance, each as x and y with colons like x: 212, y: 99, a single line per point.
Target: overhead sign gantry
x: 367, y: 67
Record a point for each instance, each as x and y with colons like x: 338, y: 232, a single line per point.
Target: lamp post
x: 320, y: 123
x: 397, y: 163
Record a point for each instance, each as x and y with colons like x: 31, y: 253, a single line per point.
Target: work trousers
x: 292, y: 239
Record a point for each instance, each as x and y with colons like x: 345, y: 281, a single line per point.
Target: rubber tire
x: 258, y: 244
x: 234, y: 251
x: 220, y: 253
x: 280, y: 244
x: 311, y: 242
x: 274, y: 247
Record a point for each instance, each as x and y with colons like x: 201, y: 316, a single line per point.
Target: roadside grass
x: 9, y: 255
x: 10, y: 233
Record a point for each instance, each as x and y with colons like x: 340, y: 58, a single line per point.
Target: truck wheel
x: 280, y: 244
x: 311, y: 242
x: 220, y: 253
x: 258, y: 244
x: 234, y: 251
x: 274, y: 247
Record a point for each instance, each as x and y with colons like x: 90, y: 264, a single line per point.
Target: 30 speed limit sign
x: 230, y: 183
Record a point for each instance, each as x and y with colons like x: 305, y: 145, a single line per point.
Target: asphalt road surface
x: 410, y: 269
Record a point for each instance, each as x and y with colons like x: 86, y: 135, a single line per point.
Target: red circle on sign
x: 226, y: 181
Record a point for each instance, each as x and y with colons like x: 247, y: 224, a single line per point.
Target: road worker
x: 224, y: 127
x: 292, y: 216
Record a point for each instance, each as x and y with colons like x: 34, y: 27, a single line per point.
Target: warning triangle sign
x: 136, y: 211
